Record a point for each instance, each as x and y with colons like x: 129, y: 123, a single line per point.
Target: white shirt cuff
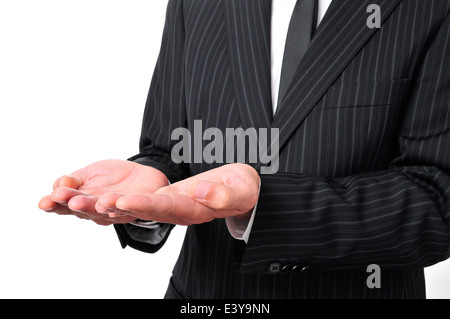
x: 239, y: 228
x: 145, y: 224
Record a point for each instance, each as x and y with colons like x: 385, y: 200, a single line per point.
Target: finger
x: 106, y: 204
x: 179, y: 209
x: 62, y: 195
x: 83, y: 204
x: 70, y: 181
x: 48, y: 205
x: 79, y: 203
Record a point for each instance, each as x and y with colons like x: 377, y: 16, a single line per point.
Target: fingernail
x: 202, y: 190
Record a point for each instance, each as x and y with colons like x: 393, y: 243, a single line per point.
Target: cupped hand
x: 228, y: 191
x: 78, y: 193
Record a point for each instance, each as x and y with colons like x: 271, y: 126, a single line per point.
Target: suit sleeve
x: 397, y: 218
x: 164, y: 112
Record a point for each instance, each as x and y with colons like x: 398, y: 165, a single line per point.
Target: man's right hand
x: 77, y: 194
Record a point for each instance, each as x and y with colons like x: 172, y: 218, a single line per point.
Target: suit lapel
x: 341, y: 35
x: 248, y: 27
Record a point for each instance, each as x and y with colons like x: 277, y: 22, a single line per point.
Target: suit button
x: 286, y: 269
x: 300, y: 269
x: 304, y: 269
x: 274, y: 268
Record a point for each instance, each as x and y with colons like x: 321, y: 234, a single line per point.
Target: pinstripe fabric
x: 365, y: 147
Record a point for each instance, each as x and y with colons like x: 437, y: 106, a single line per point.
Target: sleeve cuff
x: 240, y: 229
x: 145, y: 224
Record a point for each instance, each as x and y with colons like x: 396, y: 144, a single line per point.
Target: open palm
x: 117, y: 176
x: 78, y: 193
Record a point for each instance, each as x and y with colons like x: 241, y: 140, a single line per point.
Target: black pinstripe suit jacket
x: 365, y: 148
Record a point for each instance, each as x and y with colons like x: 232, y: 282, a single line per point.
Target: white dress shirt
x: 281, y: 17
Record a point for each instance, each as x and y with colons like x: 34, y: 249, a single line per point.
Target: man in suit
x: 363, y: 115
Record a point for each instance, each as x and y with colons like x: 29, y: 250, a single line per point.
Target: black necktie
x: 301, y: 29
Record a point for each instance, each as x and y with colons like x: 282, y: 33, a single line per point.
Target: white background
x: 74, y: 76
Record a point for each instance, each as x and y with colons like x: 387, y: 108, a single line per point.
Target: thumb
x: 213, y: 195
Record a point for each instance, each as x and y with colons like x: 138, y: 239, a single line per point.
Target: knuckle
x: 223, y: 199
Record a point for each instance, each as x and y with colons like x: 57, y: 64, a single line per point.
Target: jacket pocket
x: 367, y: 94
